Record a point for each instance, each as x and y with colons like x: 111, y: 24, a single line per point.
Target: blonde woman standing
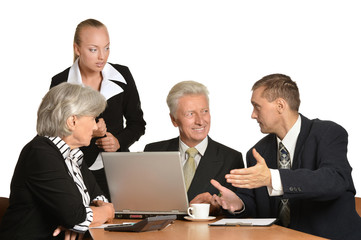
x: 116, y: 84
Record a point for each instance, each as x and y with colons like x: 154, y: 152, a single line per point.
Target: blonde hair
x: 184, y: 88
x: 63, y: 101
x: 86, y: 23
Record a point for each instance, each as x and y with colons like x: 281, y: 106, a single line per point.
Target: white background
x: 227, y: 45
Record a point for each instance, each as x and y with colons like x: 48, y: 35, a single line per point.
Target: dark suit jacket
x: 218, y: 160
x: 43, y: 195
x: 319, y: 185
x: 123, y: 105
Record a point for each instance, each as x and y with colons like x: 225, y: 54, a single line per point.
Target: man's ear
x: 281, y: 104
x: 173, y: 120
x: 71, y: 122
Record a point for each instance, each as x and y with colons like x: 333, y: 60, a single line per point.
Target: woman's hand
x: 102, y: 128
x: 69, y: 235
x: 102, y: 212
x: 108, y: 143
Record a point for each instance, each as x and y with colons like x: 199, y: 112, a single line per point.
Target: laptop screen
x: 145, y: 183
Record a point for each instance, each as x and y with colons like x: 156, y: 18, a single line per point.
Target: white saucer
x: 199, y: 219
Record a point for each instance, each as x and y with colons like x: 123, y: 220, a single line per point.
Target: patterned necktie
x: 190, y: 166
x: 284, y: 163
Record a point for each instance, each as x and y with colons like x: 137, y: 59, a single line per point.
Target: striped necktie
x: 189, y: 167
x: 284, y: 163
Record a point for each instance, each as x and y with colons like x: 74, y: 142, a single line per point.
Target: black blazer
x: 319, y: 186
x: 125, y: 104
x: 43, y: 195
x: 218, y: 160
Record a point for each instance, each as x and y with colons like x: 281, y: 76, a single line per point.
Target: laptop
x: 145, y: 184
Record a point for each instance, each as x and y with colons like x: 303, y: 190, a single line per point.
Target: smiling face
x: 266, y: 113
x: 93, y: 50
x: 192, y: 118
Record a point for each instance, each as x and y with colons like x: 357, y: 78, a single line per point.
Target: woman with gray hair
x: 52, y: 189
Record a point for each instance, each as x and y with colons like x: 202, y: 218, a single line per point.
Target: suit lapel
x: 208, y: 167
x: 173, y: 144
x: 271, y: 153
x: 304, y: 132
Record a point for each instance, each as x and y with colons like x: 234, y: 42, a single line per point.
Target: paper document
x: 244, y: 222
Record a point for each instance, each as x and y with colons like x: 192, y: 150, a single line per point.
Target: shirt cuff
x: 101, y: 198
x: 239, y: 211
x: 276, y: 189
x: 84, y: 226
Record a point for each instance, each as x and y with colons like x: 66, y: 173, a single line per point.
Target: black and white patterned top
x: 73, y: 160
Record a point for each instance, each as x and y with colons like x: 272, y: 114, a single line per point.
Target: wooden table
x: 183, y: 230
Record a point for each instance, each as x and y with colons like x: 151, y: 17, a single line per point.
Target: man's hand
x: 226, y: 198
x: 206, y: 197
x: 108, y: 143
x: 252, y: 177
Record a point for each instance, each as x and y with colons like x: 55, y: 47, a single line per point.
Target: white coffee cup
x: 199, y: 210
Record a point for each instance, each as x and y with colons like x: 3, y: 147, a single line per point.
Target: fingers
x: 57, y: 231
x: 257, y: 156
x: 243, y: 179
x: 101, y: 128
x: 112, y: 211
x: 217, y: 185
x: 216, y: 200
x: 67, y: 235
x: 98, y: 203
x: 202, y: 198
x: 220, y: 199
x: 70, y: 235
x: 80, y: 236
x: 73, y: 235
x: 108, y: 143
x: 252, y: 177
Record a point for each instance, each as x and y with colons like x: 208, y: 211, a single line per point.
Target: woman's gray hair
x: 63, y: 101
x: 184, y: 88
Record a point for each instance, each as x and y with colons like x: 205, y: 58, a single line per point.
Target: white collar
x: 108, y: 88
x: 66, y: 151
x: 201, y: 147
x: 290, y: 140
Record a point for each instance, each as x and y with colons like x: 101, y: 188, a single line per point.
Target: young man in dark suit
x: 299, y: 172
x: 189, y: 111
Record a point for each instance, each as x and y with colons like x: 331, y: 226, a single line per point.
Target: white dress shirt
x: 289, y: 141
x: 201, y: 147
x: 108, y: 89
